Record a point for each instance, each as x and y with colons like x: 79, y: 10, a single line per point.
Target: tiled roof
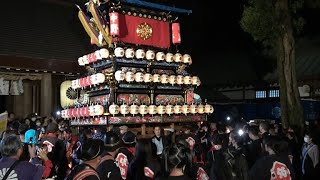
x: 307, y: 60
x: 44, y: 30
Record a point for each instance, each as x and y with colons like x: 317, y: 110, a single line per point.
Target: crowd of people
x: 47, y: 148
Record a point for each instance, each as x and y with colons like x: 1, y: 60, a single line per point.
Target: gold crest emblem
x: 144, y: 31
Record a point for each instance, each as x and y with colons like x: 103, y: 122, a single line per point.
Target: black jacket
x: 272, y: 165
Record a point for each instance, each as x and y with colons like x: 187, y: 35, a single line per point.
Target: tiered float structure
x: 137, y: 75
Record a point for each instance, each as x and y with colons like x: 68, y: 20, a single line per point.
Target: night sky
x: 222, y: 52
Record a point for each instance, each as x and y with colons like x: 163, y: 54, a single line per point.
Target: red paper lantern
x: 86, y: 111
x: 176, y: 37
x: 89, y: 83
x: 69, y: 113
x: 92, y: 58
x: 114, y: 24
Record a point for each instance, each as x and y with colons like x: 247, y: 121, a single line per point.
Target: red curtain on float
x: 128, y: 31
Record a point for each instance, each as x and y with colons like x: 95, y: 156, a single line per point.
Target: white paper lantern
x: 129, y: 53
x: 140, y: 54
x: 143, y: 110
x: 119, y: 75
x: 104, y: 53
x: 208, y: 109
x: 164, y: 79
x: 169, y: 57
x: 147, y: 78
x: 177, y: 58
x: 200, y: 109
x: 98, y: 110
x: 169, y: 109
x: 134, y: 109
x: 139, y: 77
x: 160, y: 56
x: 152, y: 109
x: 177, y: 109
x: 185, y: 109
x: 119, y: 52
x: 150, y: 55
x: 124, y: 109
x: 129, y: 76
x: 161, y: 109
x: 114, y: 109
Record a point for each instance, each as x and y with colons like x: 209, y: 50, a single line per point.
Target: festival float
x: 136, y: 75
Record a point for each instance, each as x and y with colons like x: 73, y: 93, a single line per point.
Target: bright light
x: 228, y: 118
x: 58, y: 113
x: 228, y: 130
x: 240, y: 132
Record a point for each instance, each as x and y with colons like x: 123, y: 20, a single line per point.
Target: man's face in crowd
x: 66, y: 135
x: 213, y: 126
x: 157, y: 131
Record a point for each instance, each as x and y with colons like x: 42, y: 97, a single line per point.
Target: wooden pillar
x: 27, y: 99
x: 18, y: 106
x: 173, y: 138
x: 143, y: 129
x: 46, y: 95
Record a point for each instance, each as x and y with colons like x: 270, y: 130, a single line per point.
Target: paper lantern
x: 152, y: 109
x: 193, y: 109
x: 147, y: 78
x: 161, y: 109
x: 129, y: 53
x: 172, y: 79
x: 164, y: 79
x: 124, y: 109
x: 114, y: 109
x: 114, y: 24
x: 134, y: 109
x: 169, y: 57
x: 119, y: 52
x: 179, y: 79
x: 176, y: 37
x: 160, y: 56
x: 140, y: 54
x: 177, y: 109
x: 129, y: 76
x: 185, y: 109
x: 156, y: 78
x: 187, y: 80
x: 150, y: 55
x: 139, y: 77
x: 177, y: 58
x: 208, y: 109
x: 98, y: 110
x: 200, y: 109
x: 104, y: 53
x: 169, y: 109
x: 120, y: 75
x: 143, y: 109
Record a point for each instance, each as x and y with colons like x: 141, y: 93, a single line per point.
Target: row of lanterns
x: 88, y: 81
x: 156, y: 78
x: 93, y: 110
x: 124, y: 109
x: 130, y: 53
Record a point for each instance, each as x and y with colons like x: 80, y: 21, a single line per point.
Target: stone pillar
x: 46, y: 95
x: 27, y: 99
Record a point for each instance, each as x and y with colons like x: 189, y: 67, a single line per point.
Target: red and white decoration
x: 114, y: 24
x: 176, y: 37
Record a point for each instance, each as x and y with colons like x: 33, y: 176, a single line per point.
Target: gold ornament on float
x: 144, y: 31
